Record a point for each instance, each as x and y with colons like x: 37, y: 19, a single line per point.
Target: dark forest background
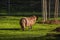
x: 20, y: 7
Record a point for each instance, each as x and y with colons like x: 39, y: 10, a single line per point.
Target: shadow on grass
x: 46, y: 37
x: 57, y: 29
x: 19, y: 29
x: 10, y: 29
x: 1, y: 17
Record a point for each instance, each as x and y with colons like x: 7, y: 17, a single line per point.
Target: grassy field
x: 10, y: 30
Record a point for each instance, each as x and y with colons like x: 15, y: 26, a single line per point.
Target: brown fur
x: 27, y: 22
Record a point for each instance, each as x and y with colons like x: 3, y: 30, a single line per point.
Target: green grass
x: 11, y: 30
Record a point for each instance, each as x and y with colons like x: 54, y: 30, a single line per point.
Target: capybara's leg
x: 22, y: 28
x: 30, y: 27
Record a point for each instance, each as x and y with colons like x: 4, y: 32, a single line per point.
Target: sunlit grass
x: 10, y: 29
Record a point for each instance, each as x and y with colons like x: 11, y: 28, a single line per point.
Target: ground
x: 10, y: 30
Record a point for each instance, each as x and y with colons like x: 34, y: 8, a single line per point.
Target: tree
x: 44, y: 10
x: 56, y: 9
x: 49, y: 9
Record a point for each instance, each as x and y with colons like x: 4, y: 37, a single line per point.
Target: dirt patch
x: 51, y: 22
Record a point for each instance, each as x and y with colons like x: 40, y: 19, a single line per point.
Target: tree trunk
x: 49, y: 10
x: 44, y: 10
x: 56, y: 9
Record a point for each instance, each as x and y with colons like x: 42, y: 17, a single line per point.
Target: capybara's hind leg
x: 22, y: 28
x: 23, y: 25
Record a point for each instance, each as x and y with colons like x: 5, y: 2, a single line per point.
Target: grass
x: 10, y: 30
